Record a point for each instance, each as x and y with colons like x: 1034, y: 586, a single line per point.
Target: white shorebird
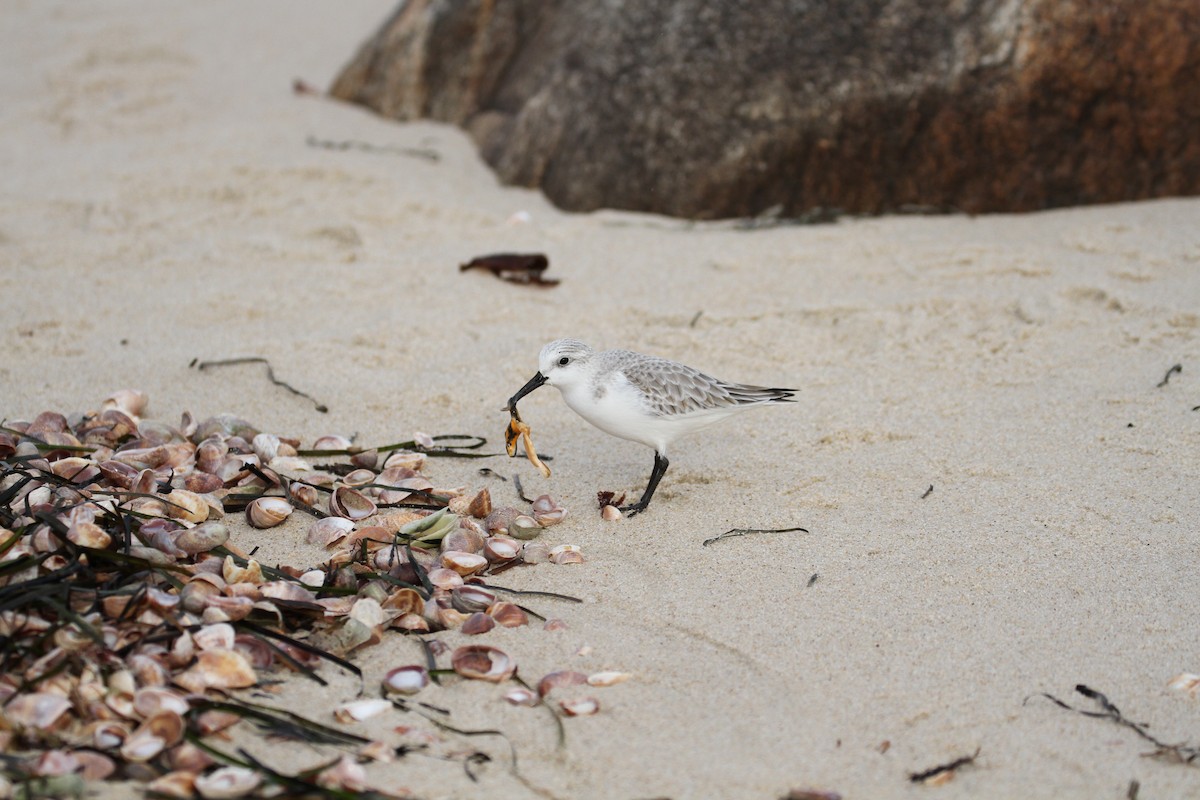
x: 641, y: 398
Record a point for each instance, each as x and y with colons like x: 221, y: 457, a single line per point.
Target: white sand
x: 159, y: 204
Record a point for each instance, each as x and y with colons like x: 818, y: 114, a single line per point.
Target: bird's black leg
x: 660, y: 469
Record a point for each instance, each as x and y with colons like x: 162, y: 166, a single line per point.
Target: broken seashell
x: 404, y: 459
x: 351, y: 504
x: 406, y: 680
x: 314, y: 578
x: 482, y: 662
x: 481, y: 504
x: 547, y: 512
x: 521, y: 696
x: 1186, y: 682
x: 228, y: 782
x: 158, y: 732
x: 129, y: 401
x: 303, y: 493
x: 178, y: 783
x: 607, y: 678
x: 267, y: 512
x: 358, y: 710
x: 347, y: 776
x: 232, y: 573
x: 565, y: 554
x: 584, y: 706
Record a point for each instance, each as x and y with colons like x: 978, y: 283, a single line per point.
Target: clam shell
x: 129, y: 401
x: 227, y: 782
x: 566, y: 554
x: 463, y: 563
x: 521, y: 696
x: 547, y: 512
x: 75, y: 469
x: 1186, y: 682
x: 481, y: 504
x: 406, y: 680
x: 185, y: 505
x: 358, y: 710
x: 560, y: 679
x: 153, y: 699
x: 158, y: 732
x: 332, y: 442
x: 267, y: 512
x: 359, y: 477
x: 266, y: 446
x: 405, y: 459
x: 508, y: 615
x: 581, y: 707
x: 477, y: 623
x: 443, y: 578
x: 611, y: 513
x: 89, y: 534
x: 463, y: 541
x: 202, y: 538
x: 303, y: 493
x: 607, y: 678
x: 501, y: 549
x: 469, y: 599
x: 351, y: 504
x: 329, y: 531
x: 40, y: 710
x: 178, y: 783
x: 481, y: 662
x: 219, y: 668
x: 524, y: 527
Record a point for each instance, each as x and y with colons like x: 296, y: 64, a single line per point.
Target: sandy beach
x: 168, y: 197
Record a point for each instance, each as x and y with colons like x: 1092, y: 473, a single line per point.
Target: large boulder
x: 714, y: 109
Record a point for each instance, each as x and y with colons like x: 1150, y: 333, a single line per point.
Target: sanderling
x: 641, y: 398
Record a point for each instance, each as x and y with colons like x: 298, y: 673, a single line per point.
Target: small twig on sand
x: 729, y: 534
x: 1166, y: 378
x: 941, y: 770
x: 229, y: 362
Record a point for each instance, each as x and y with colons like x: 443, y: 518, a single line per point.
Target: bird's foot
x: 633, y: 508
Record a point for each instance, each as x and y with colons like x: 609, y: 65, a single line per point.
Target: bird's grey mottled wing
x: 673, y: 388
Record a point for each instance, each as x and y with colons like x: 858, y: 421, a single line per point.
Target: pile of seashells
x: 125, y: 609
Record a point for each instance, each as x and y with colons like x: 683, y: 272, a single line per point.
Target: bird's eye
x: 562, y: 362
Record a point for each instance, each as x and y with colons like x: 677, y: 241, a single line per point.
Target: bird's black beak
x: 534, y: 382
